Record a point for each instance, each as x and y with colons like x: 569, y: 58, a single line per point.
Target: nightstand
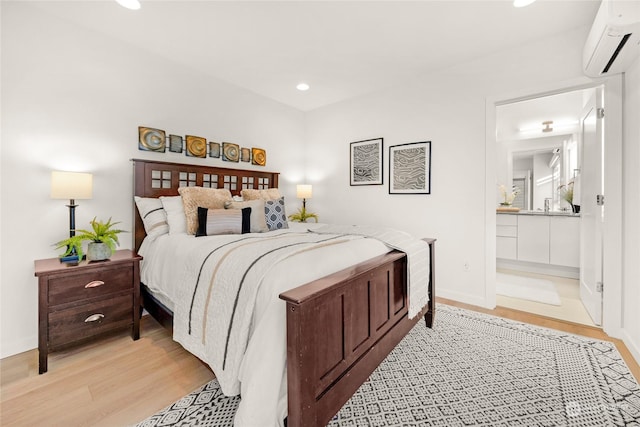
x: 81, y: 302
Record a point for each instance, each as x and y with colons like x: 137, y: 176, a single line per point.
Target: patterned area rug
x: 472, y: 369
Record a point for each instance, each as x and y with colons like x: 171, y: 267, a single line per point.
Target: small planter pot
x: 97, y: 251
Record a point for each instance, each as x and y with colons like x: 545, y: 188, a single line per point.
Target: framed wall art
x: 150, y: 139
x: 230, y: 152
x: 196, y: 146
x: 258, y: 156
x: 410, y: 168
x: 366, y: 162
x: 175, y: 143
x: 214, y: 149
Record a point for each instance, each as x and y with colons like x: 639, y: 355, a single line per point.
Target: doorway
x: 540, y: 159
x: 611, y: 236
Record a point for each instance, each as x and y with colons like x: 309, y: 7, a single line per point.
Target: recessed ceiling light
x: 522, y: 3
x: 129, y: 4
x: 302, y: 86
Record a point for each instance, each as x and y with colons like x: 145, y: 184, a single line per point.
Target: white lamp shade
x: 71, y: 185
x: 304, y: 191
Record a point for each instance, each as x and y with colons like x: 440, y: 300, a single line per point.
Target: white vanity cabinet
x: 551, y: 240
x: 564, y: 241
x: 507, y: 237
x: 533, y: 238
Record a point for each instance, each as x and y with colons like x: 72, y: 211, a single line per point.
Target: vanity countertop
x: 540, y: 213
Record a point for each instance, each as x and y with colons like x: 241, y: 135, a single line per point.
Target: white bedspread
x: 252, y: 359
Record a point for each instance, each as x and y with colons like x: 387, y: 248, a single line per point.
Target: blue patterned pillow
x: 275, y: 215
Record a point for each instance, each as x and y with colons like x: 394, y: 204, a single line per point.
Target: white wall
x: 72, y: 100
x: 631, y: 211
x: 447, y: 108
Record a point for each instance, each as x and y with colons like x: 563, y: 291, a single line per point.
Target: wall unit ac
x: 614, y: 40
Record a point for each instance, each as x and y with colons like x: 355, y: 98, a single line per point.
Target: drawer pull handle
x: 94, y: 318
x: 94, y: 284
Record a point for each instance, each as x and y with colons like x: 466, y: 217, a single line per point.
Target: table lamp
x: 304, y: 192
x: 72, y: 186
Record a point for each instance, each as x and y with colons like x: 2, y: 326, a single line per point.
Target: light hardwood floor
x: 119, y: 382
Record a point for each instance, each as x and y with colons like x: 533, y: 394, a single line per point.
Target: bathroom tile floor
x: 571, y: 308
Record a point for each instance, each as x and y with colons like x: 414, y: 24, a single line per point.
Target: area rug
x: 471, y: 369
x: 529, y: 288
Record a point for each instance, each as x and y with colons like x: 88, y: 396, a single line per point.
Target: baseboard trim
x: 632, y: 345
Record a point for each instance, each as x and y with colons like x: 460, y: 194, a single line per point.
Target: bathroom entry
x: 540, y: 250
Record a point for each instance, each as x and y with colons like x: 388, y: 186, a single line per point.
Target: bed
x: 339, y: 326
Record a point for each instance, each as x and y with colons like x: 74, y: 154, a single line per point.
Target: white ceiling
x: 523, y: 120
x: 342, y: 49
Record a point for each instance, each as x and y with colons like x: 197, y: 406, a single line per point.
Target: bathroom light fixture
x: 547, y: 126
x: 129, y: 4
x: 522, y: 3
x: 302, y: 87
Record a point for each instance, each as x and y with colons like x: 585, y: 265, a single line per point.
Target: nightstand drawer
x: 84, y: 321
x: 86, y: 285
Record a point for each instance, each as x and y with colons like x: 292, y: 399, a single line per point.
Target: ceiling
x: 524, y: 119
x: 342, y: 49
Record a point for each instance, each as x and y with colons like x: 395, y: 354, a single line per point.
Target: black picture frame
x: 410, y: 168
x: 366, y: 162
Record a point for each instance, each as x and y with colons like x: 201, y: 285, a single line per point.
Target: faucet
x: 547, y: 204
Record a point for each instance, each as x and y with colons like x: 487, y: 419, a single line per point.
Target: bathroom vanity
x: 539, y: 242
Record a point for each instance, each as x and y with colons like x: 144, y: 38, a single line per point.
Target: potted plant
x: 103, y: 239
x: 302, y: 215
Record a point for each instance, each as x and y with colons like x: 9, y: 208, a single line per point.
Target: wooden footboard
x: 340, y: 328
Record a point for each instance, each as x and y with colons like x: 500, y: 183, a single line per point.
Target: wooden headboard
x: 155, y: 179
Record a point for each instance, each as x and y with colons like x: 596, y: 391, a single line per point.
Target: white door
x: 591, y: 212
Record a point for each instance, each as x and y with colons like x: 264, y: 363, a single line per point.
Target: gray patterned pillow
x: 275, y: 215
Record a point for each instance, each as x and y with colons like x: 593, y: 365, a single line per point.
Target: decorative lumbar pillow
x: 175, y: 214
x: 223, y: 221
x: 153, y: 215
x: 194, y: 197
x: 275, y: 215
x: 266, y: 194
x: 258, y: 221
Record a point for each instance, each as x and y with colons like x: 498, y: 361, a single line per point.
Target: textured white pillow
x: 258, y: 221
x: 175, y: 214
x: 153, y: 216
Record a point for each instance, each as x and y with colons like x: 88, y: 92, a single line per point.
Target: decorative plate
x: 196, y: 146
x: 150, y: 139
x: 230, y: 152
x: 259, y: 156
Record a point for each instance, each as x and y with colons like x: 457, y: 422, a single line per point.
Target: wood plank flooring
x: 119, y: 382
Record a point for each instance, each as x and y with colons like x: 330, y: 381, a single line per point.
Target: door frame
x: 612, y: 232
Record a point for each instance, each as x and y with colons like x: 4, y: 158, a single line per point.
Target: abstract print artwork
x: 366, y: 162
x: 410, y: 168
x: 150, y: 139
x: 245, y: 154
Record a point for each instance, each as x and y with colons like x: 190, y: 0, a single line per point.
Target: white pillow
x: 175, y: 214
x: 153, y: 216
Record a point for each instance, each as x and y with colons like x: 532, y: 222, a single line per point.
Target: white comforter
x: 252, y: 360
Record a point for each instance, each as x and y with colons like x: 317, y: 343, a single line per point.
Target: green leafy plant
x: 101, y: 232
x: 302, y: 215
